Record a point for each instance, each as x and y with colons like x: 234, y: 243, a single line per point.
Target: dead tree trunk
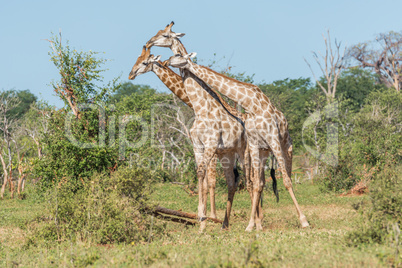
x: 21, y: 177
x: 10, y: 178
x: 5, y: 172
x: 331, y: 64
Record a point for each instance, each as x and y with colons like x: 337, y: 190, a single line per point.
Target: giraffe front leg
x: 211, y: 174
x: 203, y: 186
x: 256, y: 186
x: 248, y: 171
x: 258, y: 215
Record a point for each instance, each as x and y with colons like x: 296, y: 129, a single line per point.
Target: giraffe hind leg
x: 285, y: 163
x: 232, y: 178
x: 257, y: 184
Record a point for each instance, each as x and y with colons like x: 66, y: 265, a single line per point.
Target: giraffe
x: 147, y: 62
x: 223, y: 139
x: 168, y: 38
x: 266, y: 128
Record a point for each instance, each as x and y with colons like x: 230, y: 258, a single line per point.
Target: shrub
x: 373, y: 144
x: 340, y: 177
x: 107, y: 209
x: 62, y: 158
x: 382, y: 217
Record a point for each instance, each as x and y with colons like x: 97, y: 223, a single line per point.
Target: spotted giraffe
x: 266, y: 128
x: 170, y: 39
x: 214, y: 131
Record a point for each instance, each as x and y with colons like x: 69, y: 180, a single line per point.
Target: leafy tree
x: 355, y: 85
x: 80, y: 76
x: 8, y: 124
x: 25, y: 99
x: 378, y: 143
x: 74, y: 145
x: 128, y: 88
x: 35, y: 124
x: 168, y: 120
x: 374, y: 144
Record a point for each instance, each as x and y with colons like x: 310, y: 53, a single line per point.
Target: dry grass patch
x: 12, y: 237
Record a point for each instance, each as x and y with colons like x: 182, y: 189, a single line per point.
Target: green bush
x: 382, y: 217
x: 373, y: 144
x: 62, y: 158
x: 340, y: 177
x: 106, y: 209
x: 134, y: 183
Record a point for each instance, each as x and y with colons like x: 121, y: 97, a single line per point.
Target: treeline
x: 150, y: 129
x: 109, y: 128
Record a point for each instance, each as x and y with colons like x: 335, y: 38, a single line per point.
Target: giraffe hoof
x: 203, y: 225
x: 304, y: 222
x: 249, y: 228
x: 259, y: 227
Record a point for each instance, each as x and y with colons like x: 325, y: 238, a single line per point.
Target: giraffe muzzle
x: 132, y: 75
x: 166, y: 63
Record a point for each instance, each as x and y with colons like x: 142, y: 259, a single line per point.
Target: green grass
x: 282, y: 242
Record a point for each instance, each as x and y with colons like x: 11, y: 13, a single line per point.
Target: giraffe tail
x: 274, y: 184
x: 236, y: 175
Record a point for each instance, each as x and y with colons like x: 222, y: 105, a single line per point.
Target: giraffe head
x: 164, y: 38
x: 179, y: 61
x: 143, y: 64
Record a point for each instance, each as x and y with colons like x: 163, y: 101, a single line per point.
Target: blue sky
x: 267, y: 38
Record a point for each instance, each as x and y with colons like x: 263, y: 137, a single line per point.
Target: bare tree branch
x: 383, y: 56
x: 331, y: 64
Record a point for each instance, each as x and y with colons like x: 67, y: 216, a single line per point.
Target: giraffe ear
x: 178, y: 35
x: 157, y: 58
x: 191, y: 55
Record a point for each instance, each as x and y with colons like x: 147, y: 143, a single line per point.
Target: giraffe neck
x: 249, y: 96
x: 205, y: 105
x: 226, y: 105
x: 206, y: 101
x: 173, y: 81
x: 178, y: 48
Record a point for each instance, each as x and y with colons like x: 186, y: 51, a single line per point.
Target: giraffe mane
x: 227, y: 77
x: 217, y: 96
x: 166, y: 68
x: 225, y: 104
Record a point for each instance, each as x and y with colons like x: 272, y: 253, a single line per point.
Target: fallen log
x: 167, y: 218
x: 182, y: 214
x: 179, y: 183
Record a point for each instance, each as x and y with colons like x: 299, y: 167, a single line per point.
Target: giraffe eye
x: 165, y: 35
x: 145, y: 63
